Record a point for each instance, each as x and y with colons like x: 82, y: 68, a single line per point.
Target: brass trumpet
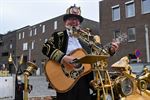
x: 93, y: 41
x: 87, y: 34
x: 31, y: 67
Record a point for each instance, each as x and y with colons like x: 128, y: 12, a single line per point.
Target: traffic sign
x: 137, y: 53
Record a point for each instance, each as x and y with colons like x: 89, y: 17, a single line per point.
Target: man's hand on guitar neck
x: 117, y: 41
x: 114, y: 46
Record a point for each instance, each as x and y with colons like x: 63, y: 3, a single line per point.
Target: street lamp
x: 11, y: 61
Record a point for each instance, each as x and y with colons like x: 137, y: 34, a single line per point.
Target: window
x: 19, y: 36
x: 145, y: 6
x: 55, y: 25
x: 30, y: 32
x: 25, y: 46
x: 32, y: 46
x: 23, y: 35
x: 131, y: 35
x: 115, y: 13
x: 130, y: 9
x: 35, y: 31
x: 10, y: 46
x: 43, y: 29
x: 116, y: 34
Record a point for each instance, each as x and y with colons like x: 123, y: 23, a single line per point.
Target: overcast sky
x: 15, y: 14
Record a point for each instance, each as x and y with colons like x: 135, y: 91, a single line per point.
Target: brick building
x: 29, y: 40
x: 8, y: 45
x: 131, y: 17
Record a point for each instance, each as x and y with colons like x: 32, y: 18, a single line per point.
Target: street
x: 40, y: 87
x: 39, y: 91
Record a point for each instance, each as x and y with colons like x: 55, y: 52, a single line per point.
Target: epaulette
x: 60, y: 33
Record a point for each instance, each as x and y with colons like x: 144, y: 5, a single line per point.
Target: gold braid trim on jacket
x: 48, y: 48
x: 51, y: 47
x: 57, y: 55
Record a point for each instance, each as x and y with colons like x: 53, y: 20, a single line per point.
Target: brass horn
x: 31, y: 67
x: 92, y: 40
x: 21, y: 60
x: 10, y: 60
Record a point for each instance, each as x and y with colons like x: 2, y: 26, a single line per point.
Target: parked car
x: 137, y: 68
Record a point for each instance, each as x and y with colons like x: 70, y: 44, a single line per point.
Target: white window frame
x: 10, y: 46
x: 113, y: 8
x: 128, y: 10
x: 142, y: 8
x: 117, y: 33
x: 43, y: 29
x: 35, y: 31
x: 19, y: 36
x: 133, y: 40
x: 32, y: 44
x: 30, y: 32
x: 25, y: 46
x: 22, y: 34
x: 55, y: 25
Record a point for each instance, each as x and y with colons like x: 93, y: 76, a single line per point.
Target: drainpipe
x: 147, y: 43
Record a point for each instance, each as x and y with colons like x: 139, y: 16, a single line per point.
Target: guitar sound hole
x: 74, y: 74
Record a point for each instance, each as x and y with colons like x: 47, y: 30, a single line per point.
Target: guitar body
x: 57, y: 76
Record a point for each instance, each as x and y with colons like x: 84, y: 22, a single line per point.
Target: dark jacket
x: 55, y: 48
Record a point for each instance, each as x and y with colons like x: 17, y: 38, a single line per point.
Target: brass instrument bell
x: 97, y: 39
x: 10, y: 60
x: 31, y: 67
x: 142, y: 85
x: 94, y: 84
x: 21, y: 60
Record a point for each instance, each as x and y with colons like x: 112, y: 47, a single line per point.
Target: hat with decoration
x: 73, y: 11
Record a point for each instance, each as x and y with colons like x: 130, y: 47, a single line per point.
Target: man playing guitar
x: 59, y: 51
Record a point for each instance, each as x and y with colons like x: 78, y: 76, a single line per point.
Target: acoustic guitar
x: 63, y: 79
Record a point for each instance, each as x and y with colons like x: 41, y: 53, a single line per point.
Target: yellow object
x: 31, y: 67
x: 10, y: 60
x: 4, y: 73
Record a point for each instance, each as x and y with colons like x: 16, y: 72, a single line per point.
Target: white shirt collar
x: 73, y: 43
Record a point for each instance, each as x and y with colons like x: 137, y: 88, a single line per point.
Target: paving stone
x: 40, y: 87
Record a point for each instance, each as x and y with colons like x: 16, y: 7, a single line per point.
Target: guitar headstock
x: 121, y: 38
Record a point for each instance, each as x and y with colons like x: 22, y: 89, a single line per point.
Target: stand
x: 101, y: 83
x: 28, y: 72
